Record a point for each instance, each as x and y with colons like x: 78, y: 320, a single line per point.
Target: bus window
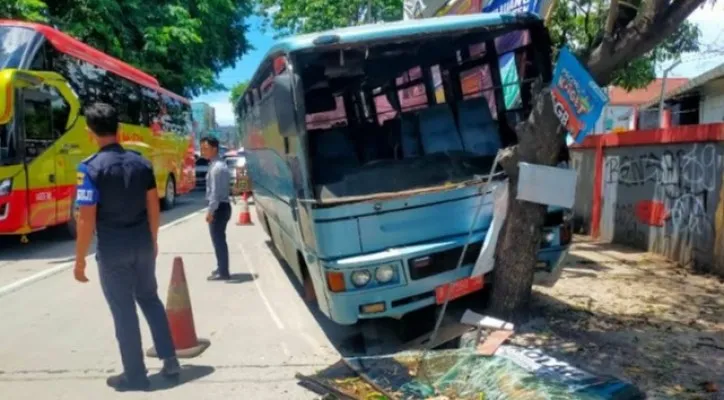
x: 385, y: 111
x: 328, y: 119
x: 437, y: 84
x: 174, y: 121
x: 37, y: 113
x: 126, y: 100
x: 61, y: 111
x: 151, y: 106
x: 512, y: 41
x: 478, y: 82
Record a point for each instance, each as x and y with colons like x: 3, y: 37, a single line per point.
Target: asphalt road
x: 57, y: 339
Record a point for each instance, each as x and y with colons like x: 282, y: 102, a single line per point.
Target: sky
x: 709, y: 19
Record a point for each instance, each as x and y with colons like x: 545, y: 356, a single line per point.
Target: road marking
x: 273, y: 314
x: 46, y: 273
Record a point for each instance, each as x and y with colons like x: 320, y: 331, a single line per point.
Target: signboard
x: 577, y: 99
x: 512, y: 6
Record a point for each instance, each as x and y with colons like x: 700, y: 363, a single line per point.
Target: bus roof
x: 391, y: 30
x: 74, y: 47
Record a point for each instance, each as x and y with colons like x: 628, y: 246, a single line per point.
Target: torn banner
x: 512, y: 373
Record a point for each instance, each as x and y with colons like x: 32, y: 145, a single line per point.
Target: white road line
x: 272, y: 313
x: 21, y: 283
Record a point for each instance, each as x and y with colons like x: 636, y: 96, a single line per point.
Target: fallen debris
x: 493, y: 342
x: 463, y: 374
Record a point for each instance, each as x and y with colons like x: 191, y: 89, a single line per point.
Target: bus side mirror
x: 284, y: 105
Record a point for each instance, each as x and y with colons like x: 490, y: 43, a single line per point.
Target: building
x: 622, y: 112
x: 698, y: 101
x: 204, y: 118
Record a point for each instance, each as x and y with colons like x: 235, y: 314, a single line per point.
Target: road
x: 57, y: 339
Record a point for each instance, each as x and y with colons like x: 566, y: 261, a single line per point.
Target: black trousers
x: 217, y: 229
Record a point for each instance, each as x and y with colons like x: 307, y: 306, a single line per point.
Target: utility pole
x: 369, y: 11
x: 663, y: 90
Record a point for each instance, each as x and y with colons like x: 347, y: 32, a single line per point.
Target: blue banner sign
x: 577, y: 98
x: 512, y: 6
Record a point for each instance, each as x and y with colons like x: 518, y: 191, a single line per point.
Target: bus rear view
x: 370, y: 183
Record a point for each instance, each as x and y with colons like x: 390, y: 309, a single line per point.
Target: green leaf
x: 185, y: 44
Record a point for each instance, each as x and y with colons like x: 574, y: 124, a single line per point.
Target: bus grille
x: 445, y: 261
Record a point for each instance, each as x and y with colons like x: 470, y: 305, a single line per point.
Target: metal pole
x: 663, y: 90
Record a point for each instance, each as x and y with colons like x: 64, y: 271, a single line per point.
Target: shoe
x: 171, y: 368
x: 216, y: 277
x: 122, y: 384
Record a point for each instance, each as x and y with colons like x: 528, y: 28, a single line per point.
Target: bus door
x: 37, y: 133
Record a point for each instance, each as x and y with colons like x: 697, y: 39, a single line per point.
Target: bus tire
x: 266, y: 227
x: 169, y: 198
x: 310, y: 296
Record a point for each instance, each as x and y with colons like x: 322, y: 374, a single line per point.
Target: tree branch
x: 641, y: 36
x: 611, y: 21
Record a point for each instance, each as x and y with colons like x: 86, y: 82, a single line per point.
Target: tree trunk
x: 540, y: 140
x: 516, y: 257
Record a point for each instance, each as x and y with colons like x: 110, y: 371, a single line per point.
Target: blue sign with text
x: 577, y: 98
x: 512, y: 6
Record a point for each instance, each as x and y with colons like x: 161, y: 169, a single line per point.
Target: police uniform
x: 116, y: 181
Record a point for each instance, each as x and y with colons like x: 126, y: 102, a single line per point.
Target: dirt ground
x: 637, y: 316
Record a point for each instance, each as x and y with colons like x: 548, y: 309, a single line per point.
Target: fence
x: 656, y: 190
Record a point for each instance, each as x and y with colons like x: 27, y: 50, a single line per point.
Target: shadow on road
x: 189, y: 373
x: 53, y: 244
x: 242, y: 278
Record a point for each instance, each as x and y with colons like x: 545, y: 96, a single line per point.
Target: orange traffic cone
x: 180, y: 316
x: 245, y: 215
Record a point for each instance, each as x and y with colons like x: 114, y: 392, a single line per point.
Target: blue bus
x: 366, y: 147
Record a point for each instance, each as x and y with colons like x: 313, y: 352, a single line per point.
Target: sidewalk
x: 57, y: 340
x: 637, y: 316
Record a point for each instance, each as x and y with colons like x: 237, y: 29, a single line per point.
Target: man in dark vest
x: 117, y: 198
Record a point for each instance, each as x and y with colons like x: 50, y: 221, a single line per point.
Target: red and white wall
x: 655, y: 190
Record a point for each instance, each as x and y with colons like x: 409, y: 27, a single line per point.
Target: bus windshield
x: 417, y: 114
x: 14, y: 44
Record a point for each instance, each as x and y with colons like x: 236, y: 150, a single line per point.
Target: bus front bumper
x: 410, y: 295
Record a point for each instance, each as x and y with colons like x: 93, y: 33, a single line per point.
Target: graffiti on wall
x: 667, y: 196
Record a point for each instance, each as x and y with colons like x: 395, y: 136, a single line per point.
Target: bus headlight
x: 385, y: 273
x: 5, y: 187
x: 549, y: 237
x: 361, y: 277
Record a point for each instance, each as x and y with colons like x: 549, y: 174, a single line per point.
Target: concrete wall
x: 659, y: 191
x: 582, y: 160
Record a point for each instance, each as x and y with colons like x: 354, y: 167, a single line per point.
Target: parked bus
x: 367, y: 177
x: 46, y: 78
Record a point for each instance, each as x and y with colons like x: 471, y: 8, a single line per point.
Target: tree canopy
x: 304, y: 16
x: 581, y: 26
x: 236, y: 92
x: 185, y: 44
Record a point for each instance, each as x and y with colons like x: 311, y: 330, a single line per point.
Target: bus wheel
x: 309, y: 295
x: 169, y: 199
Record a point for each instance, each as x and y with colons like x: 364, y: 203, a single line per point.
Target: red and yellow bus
x: 46, y: 78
